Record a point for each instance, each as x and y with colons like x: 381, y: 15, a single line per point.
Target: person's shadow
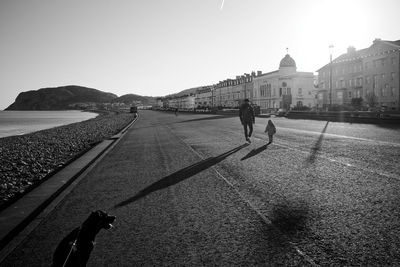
x: 316, y: 147
x: 254, y: 152
x: 179, y: 176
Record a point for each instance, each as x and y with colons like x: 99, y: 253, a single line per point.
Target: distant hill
x: 185, y: 92
x: 59, y: 98
x: 65, y: 97
x: 132, y: 98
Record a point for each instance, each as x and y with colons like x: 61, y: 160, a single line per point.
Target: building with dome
x: 284, y: 88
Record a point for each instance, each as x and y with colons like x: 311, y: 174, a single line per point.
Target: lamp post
x: 330, y: 76
x: 212, y: 96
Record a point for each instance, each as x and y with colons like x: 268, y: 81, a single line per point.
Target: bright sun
x: 342, y: 22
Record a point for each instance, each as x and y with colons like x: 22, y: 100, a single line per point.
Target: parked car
x: 281, y: 112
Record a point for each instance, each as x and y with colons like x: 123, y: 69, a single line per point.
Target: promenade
x: 187, y: 191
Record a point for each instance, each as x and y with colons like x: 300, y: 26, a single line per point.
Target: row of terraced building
x: 370, y: 75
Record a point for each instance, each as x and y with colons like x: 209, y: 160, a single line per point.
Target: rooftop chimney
x: 377, y: 40
x: 351, y: 49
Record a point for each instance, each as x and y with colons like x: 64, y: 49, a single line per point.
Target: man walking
x: 247, y: 118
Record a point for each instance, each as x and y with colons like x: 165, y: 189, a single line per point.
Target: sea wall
x: 348, y: 116
x: 27, y: 160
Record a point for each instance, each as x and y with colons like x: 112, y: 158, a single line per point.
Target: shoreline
x: 22, y: 122
x: 28, y: 160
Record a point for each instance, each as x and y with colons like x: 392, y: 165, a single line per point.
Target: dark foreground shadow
x: 254, y: 152
x: 291, y: 218
x: 180, y: 175
x: 317, y: 146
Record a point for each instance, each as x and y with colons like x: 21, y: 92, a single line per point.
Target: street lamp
x: 212, y: 96
x: 330, y: 76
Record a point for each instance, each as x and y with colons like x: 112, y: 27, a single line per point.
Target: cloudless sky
x: 159, y: 47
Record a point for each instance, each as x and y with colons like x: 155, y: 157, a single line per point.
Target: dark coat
x: 246, y: 113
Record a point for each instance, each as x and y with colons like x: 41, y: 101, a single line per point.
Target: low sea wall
x: 27, y: 160
x: 348, y: 116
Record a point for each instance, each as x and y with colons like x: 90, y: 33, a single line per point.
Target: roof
x: 359, y: 54
x: 287, y: 61
x: 268, y: 73
x: 356, y: 55
x: 396, y: 43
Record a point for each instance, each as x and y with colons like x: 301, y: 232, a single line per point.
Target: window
x: 337, y: 84
x: 349, y: 94
x: 300, y: 91
x: 392, y: 60
x: 392, y: 76
x: 392, y: 91
x: 284, y: 84
x: 342, y: 84
x: 263, y: 90
x: 386, y: 90
x: 383, y: 77
x: 289, y: 91
x: 320, y: 96
x: 339, y: 95
x: 375, y: 84
x: 350, y: 83
x: 366, y: 65
x: 359, y: 81
x: 280, y: 91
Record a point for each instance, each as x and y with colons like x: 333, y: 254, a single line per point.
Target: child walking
x: 270, y: 130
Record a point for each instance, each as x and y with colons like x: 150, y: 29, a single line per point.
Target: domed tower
x: 287, y: 65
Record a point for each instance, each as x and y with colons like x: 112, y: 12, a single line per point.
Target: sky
x: 160, y: 47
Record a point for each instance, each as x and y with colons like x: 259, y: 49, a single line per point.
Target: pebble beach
x: 27, y: 160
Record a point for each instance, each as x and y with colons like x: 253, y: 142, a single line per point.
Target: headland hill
x: 74, y: 97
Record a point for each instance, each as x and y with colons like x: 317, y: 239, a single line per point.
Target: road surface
x: 187, y: 191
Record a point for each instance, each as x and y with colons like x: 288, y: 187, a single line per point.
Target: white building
x: 230, y: 93
x: 284, y: 88
x: 204, y: 97
x: 184, y: 102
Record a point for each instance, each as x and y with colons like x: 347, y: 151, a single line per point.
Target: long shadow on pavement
x: 180, y: 175
x: 254, y: 152
x: 317, y: 146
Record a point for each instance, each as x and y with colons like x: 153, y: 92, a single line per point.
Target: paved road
x: 186, y: 191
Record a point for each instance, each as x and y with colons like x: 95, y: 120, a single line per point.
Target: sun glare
x: 340, y: 23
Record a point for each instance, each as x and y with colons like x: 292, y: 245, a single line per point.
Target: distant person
x: 176, y: 111
x: 247, y: 118
x: 270, y: 130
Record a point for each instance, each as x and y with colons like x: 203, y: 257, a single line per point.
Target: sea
x: 23, y: 122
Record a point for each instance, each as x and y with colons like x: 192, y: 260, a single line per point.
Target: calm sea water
x: 23, y: 122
